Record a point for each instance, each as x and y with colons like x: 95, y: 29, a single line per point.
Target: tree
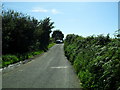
x: 22, y: 33
x: 43, y: 31
x: 18, y: 31
x: 57, y: 35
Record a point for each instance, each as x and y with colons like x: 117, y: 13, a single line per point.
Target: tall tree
x: 57, y: 35
x: 22, y: 33
x: 44, y: 29
x: 18, y: 32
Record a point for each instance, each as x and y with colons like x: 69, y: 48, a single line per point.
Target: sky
x: 81, y: 18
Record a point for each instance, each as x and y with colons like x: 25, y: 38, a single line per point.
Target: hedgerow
x: 96, y: 60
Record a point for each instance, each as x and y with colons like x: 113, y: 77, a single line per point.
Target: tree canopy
x: 22, y: 33
x: 57, y: 35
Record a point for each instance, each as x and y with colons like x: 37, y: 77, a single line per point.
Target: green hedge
x: 95, y: 59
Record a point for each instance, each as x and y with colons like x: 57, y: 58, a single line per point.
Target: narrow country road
x: 50, y: 70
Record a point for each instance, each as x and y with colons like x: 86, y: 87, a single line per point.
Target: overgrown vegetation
x: 96, y: 60
x: 11, y: 59
x: 23, y: 36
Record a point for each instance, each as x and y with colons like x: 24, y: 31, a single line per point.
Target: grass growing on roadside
x: 0, y: 62
x: 11, y: 59
x: 50, y: 45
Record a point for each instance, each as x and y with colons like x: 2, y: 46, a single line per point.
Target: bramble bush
x: 96, y: 60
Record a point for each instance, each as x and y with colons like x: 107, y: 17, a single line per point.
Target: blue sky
x: 82, y: 18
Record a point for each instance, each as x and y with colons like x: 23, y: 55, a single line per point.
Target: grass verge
x: 11, y: 59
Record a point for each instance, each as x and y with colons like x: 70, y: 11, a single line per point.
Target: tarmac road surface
x: 50, y: 70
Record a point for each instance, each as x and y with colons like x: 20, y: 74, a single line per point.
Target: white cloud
x: 54, y: 11
x: 42, y: 10
x: 39, y: 10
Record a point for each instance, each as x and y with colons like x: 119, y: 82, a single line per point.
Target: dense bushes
x: 96, y: 60
x: 23, y: 36
x: 22, y: 33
